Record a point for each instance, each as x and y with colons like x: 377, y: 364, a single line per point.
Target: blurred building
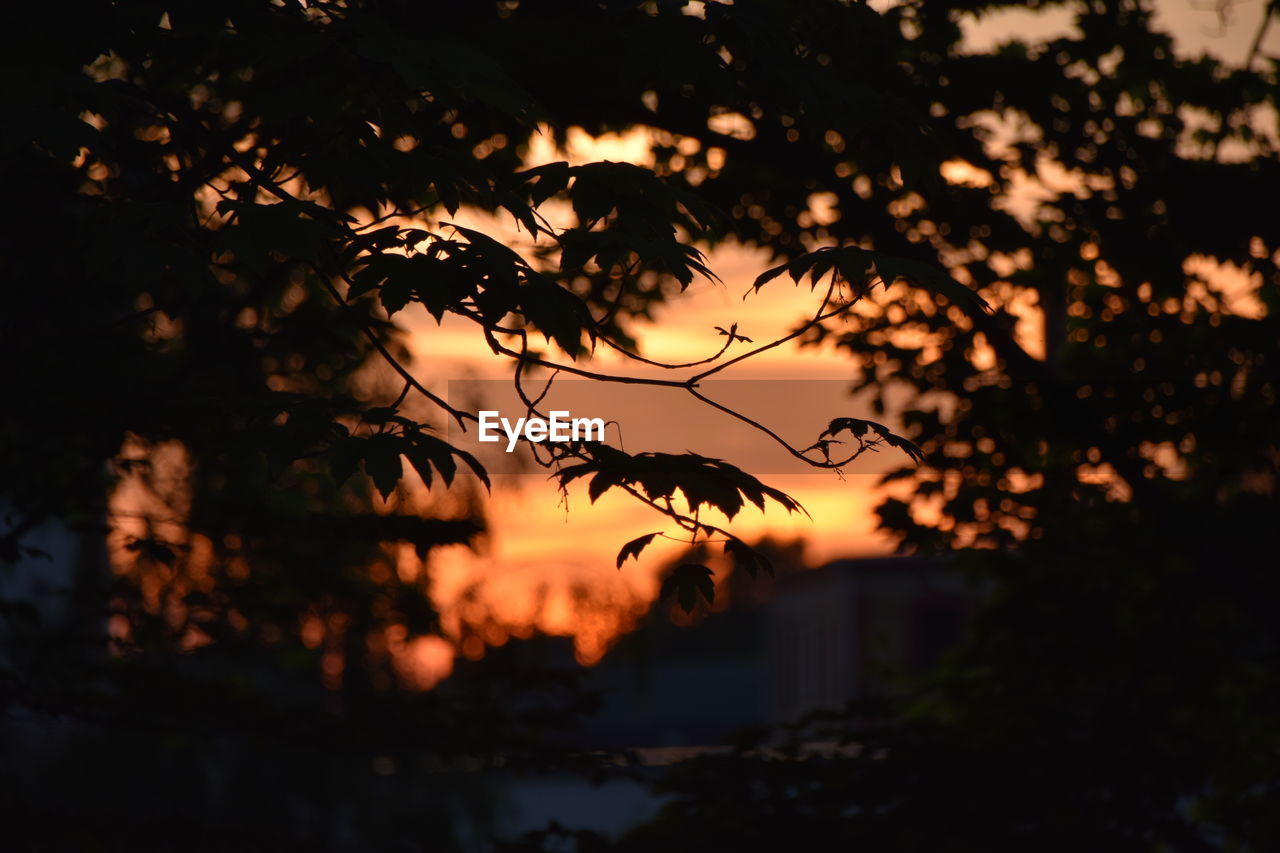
x: 859, y: 629
x: 850, y: 630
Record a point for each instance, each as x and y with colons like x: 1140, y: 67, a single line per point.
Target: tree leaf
x: 396, y: 292
x: 891, y: 268
x: 635, y: 546
x: 557, y: 313
x: 345, y: 457
x: 687, y: 582
x: 382, y: 462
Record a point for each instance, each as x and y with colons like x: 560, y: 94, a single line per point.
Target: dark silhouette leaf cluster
x: 702, y: 481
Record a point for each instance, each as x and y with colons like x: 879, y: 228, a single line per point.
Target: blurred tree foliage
x: 1103, y: 448
x: 223, y: 206
x: 217, y: 210
x: 198, y: 254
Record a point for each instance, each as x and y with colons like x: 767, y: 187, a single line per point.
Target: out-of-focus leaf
x: 747, y: 558
x: 687, y: 582
x: 345, y: 458
x: 382, y: 462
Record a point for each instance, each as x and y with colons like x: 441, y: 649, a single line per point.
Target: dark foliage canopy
x: 218, y: 210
